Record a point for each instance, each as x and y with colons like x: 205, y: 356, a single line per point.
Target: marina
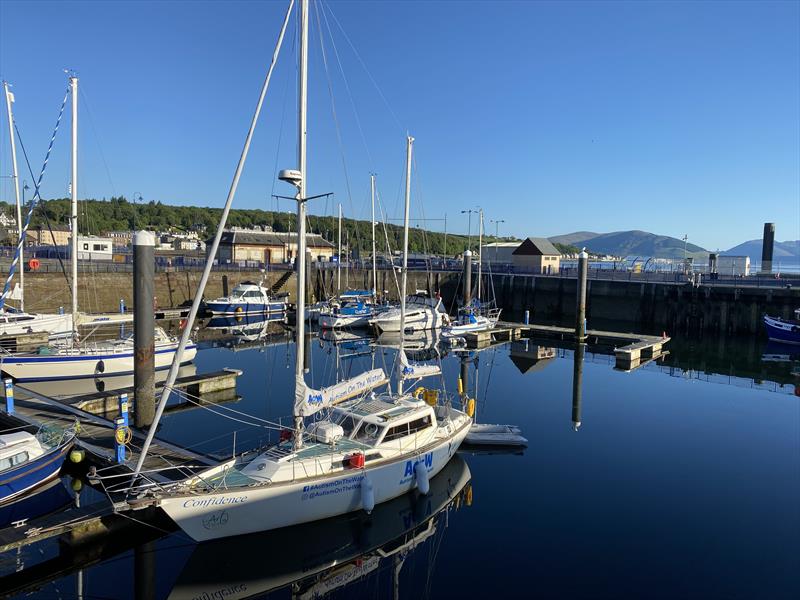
x: 316, y: 386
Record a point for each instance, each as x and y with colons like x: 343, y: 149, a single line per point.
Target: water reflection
x: 314, y: 559
x: 529, y: 356
x: 577, y: 385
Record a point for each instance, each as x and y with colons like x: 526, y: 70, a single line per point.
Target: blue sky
x: 671, y: 117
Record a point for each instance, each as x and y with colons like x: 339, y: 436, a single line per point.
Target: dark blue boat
x: 784, y: 331
x: 28, y: 461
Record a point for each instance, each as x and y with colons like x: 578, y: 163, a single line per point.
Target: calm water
x: 683, y: 480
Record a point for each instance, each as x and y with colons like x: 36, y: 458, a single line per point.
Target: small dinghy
x: 485, y: 434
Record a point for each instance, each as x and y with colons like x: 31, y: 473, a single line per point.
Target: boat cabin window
x: 368, y: 433
x: 348, y: 424
x: 405, y: 429
x: 13, y: 461
x: 252, y: 294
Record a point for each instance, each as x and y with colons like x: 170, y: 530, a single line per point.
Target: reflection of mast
x: 577, y: 385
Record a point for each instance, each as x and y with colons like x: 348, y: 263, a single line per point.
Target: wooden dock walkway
x: 631, y: 350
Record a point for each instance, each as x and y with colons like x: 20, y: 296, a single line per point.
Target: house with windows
x: 95, y: 248
x: 536, y: 255
x: 250, y: 247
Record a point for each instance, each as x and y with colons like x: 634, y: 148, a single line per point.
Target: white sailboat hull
x: 327, y: 321
x: 424, y: 318
x: 34, y: 367
x: 271, y: 506
x: 56, y: 325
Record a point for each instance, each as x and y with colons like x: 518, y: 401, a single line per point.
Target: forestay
x: 308, y: 401
x: 407, y: 370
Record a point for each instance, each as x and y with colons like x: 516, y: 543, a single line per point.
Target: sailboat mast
x: 480, y: 249
x: 339, y: 255
x: 212, y: 252
x: 374, y: 258
x: 302, y: 96
x: 73, y: 218
x: 15, y: 176
x: 409, y: 145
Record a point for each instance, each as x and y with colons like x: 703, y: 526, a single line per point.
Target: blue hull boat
x: 252, y: 308
x: 783, y: 331
x: 27, y: 475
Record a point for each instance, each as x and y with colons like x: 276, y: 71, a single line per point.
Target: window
x: 348, y: 424
x: 98, y: 247
x: 368, y: 433
x: 13, y: 461
x: 405, y: 429
x: 86, y: 246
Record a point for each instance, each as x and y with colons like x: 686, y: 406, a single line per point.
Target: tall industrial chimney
x: 766, y: 249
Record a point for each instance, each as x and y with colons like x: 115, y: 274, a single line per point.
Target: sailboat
x: 367, y: 449
x: 17, y: 321
x: 354, y: 308
x: 474, y: 316
x: 67, y: 359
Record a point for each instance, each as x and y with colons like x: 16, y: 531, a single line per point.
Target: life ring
x: 34, y: 264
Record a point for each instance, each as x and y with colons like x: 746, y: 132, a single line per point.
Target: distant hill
x: 630, y: 243
x: 783, y: 250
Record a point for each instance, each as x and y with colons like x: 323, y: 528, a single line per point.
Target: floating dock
x: 631, y: 350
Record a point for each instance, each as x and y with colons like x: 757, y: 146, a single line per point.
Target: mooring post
x: 9, y: 391
x: 577, y: 386
x: 467, y: 277
x: 225, y: 285
x: 580, y: 316
x: 527, y: 317
x: 143, y: 328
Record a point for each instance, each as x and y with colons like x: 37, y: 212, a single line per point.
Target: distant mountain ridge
x: 789, y: 250
x: 631, y: 243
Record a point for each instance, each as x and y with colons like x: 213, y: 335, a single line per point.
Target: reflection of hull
x: 309, y: 553
x: 785, y: 332
x: 38, y: 502
x: 237, y: 511
x: 82, y: 387
x: 83, y: 364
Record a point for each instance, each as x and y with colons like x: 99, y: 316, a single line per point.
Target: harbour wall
x: 638, y: 305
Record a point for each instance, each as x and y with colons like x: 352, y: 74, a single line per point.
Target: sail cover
x: 407, y: 370
x: 308, y: 401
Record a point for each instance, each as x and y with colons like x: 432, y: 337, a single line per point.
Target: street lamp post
x: 496, y: 234
x: 469, y: 211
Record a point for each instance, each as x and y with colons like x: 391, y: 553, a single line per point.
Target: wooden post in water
x: 144, y: 389
x: 580, y: 316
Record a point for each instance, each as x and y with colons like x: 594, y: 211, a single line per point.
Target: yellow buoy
x: 468, y: 495
x: 76, y: 455
x: 460, y: 387
x: 470, y: 407
x: 77, y: 485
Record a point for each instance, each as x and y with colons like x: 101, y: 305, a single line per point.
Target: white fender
x: 421, y: 477
x: 367, y: 495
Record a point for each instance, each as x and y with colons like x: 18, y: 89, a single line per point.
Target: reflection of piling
x: 580, y: 316
x: 577, y: 385
x: 144, y: 568
x: 225, y: 285
x: 767, y: 247
x: 467, y: 277
x: 143, y: 328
